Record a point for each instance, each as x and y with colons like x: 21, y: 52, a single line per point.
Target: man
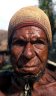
x: 29, y: 40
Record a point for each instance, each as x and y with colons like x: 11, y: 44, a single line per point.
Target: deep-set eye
x: 20, y: 42
x: 38, y: 42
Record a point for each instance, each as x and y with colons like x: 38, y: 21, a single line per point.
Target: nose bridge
x: 29, y: 51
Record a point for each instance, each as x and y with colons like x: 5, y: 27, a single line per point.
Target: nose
x: 29, y: 51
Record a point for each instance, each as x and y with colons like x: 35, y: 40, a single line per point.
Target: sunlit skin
x: 29, y: 50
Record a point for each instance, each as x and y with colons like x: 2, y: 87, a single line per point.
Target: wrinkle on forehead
x: 30, y: 32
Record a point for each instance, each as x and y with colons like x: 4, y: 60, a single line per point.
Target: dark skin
x: 29, y: 53
x: 30, y: 45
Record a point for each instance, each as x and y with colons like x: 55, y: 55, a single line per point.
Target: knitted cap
x: 27, y: 16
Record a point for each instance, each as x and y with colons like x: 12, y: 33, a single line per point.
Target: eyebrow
x: 42, y: 39
x: 15, y: 39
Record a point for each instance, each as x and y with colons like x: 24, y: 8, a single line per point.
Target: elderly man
x: 29, y: 40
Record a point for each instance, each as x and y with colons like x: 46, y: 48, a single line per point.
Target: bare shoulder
x: 51, y: 89
x: 2, y: 94
x: 47, y: 85
x: 51, y: 86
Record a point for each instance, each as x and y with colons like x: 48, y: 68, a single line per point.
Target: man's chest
x: 47, y: 90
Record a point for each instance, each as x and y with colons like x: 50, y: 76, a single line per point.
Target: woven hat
x: 31, y: 15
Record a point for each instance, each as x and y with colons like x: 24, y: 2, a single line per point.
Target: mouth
x: 29, y: 69
x: 28, y: 66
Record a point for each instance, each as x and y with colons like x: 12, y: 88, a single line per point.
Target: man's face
x: 29, y: 50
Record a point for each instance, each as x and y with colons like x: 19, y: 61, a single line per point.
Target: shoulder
x: 47, y: 84
x: 51, y: 89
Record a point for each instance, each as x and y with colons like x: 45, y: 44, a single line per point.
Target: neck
x: 25, y: 83
x: 28, y: 79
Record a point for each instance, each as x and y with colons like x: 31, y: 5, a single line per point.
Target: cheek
x: 44, y: 54
x: 41, y: 52
x: 16, y: 52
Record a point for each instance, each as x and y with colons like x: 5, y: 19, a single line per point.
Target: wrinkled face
x: 29, y: 50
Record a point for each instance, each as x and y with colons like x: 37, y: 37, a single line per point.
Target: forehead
x: 30, y: 32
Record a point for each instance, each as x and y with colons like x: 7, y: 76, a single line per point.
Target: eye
x: 20, y: 43
x: 39, y: 42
